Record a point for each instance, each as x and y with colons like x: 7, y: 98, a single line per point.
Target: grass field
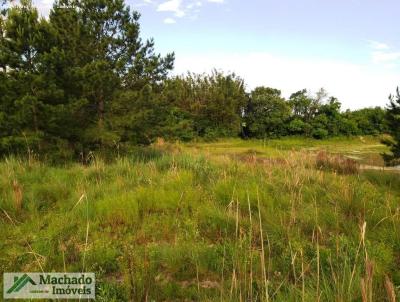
x: 225, y: 221
x: 365, y: 150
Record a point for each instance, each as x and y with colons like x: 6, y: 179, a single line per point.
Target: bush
x: 297, y: 126
x: 319, y: 133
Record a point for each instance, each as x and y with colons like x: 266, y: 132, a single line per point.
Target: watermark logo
x: 49, y: 285
x: 20, y: 283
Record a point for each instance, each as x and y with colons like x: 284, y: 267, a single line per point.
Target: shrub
x: 319, y: 133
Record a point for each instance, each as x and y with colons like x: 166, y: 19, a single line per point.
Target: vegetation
x: 79, y: 81
x: 188, y: 222
x: 83, y: 80
x: 393, y: 117
x: 286, y: 213
x: 266, y: 114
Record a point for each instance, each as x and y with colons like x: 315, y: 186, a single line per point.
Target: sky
x: 349, y: 47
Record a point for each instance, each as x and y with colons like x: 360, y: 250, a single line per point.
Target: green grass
x: 203, y: 222
x: 366, y: 150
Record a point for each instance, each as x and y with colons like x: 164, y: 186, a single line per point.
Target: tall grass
x: 170, y: 226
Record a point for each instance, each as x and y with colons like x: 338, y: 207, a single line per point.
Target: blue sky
x: 349, y: 47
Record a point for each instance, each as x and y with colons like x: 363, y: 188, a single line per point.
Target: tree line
x: 84, y: 80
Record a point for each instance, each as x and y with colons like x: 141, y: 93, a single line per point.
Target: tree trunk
x: 100, y: 112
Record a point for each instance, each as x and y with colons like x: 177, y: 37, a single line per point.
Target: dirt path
x: 367, y: 167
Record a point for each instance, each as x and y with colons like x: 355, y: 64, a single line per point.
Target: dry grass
x: 336, y: 163
x: 18, y: 195
x: 390, y: 289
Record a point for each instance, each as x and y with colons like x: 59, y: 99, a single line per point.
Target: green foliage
x: 67, y: 78
x: 367, y: 121
x: 304, y: 106
x: 211, y: 104
x: 393, y: 120
x: 298, y: 127
x: 319, y: 133
x: 21, y: 108
x: 266, y: 113
x: 318, y: 116
x: 83, y: 81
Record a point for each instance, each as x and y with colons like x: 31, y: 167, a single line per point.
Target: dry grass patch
x: 336, y: 163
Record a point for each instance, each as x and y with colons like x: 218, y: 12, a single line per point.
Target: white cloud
x: 184, y: 8
x: 356, y: 86
x: 378, y: 45
x: 44, y: 7
x: 179, y: 8
x: 142, y: 3
x: 194, y: 5
x: 172, y: 6
x: 169, y: 21
x: 383, y: 55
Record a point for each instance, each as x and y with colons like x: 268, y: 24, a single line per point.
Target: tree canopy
x: 65, y: 79
x: 393, y: 118
x: 84, y: 80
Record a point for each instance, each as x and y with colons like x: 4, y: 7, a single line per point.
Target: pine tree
x: 20, y: 99
x: 393, y: 119
x: 104, y: 60
x: 62, y: 78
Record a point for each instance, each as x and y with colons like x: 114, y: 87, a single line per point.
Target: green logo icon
x: 20, y: 283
